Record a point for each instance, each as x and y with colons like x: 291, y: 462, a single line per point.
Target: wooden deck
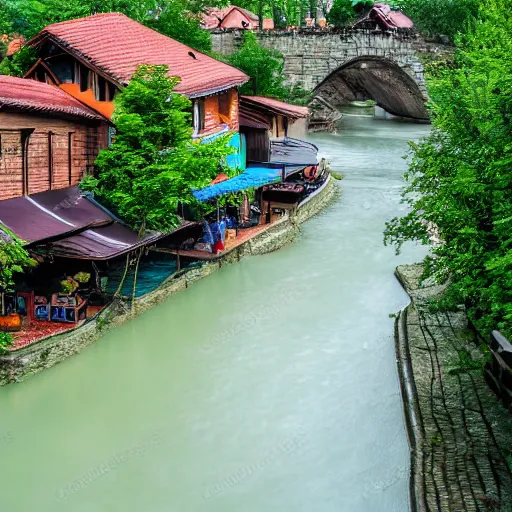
x: 230, y: 245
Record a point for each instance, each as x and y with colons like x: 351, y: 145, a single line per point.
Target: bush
x: 265, y: 67
x: 6, y: 341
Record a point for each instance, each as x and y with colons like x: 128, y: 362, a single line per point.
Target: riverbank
x: 459, y: 433
x: 48, y: 352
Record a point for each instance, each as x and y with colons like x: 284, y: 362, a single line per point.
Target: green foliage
x: 435, y: 17
x: 153, y: 165
x: 19, y: 63
x: 6, y: 341
x: 177, y: 21
x: 13, y: 259
x: 30, y: 16
x: 459, y: 178
x: 265, y: 67
x: 342, y: 13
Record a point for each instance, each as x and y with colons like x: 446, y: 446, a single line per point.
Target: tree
x: 342, y: 13
x: 19, y: 63
x: 153, y: 165
x: 459, y: 179
x: 13, y: 259
x: 265, y: 67
x: 29, y: 17
x: 175, y: 20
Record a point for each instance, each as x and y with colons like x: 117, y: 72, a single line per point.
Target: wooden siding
x: 47, y: 169
x: 213, y: 120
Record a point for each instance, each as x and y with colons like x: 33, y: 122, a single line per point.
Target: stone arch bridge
x: 350, y: 65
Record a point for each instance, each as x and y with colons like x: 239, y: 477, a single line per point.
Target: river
x: 269, y: 386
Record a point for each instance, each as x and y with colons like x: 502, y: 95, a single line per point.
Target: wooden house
x: 93, y: 58
x: 48, y: 139
x: 264, y: 119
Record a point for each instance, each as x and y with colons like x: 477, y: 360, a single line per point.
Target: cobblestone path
x: 461, y: 436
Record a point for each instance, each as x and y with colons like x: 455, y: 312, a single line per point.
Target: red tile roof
x: 214, y: 16
x: 392, y: 19
x: 116, y: 45
x: 38, y: 97
x: 276, y: 106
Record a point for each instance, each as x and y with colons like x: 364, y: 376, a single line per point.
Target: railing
x: 498, y: 371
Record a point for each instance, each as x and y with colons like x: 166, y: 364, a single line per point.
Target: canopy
x: 292, y: 154
x: 251, y: 177
x: 70, y: 224
x: 51, y: 214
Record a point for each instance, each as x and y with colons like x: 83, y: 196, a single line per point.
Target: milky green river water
x: 268, y: 386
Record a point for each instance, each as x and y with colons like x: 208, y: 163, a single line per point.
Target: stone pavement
x: 460, y: 435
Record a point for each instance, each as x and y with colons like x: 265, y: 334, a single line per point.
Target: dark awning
x: 51, y: 214
x: 68, y: 224
x: 101, y: 243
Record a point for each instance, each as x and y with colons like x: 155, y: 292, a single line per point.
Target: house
x: 383, y: 17
x: 231, y: 16
x: 48, y: 139
x: 262, y: 120
x: 93, y: 58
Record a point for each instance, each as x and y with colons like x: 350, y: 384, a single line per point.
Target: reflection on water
x: 269, y: 386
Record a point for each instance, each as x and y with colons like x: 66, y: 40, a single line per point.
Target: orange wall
x: 104, y: 107
x: 213, y: 121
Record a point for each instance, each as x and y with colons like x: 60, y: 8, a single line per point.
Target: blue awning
x: 251, y: 177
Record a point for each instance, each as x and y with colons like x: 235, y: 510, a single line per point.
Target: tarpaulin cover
x: 294, y: 154
x: 251, y: 177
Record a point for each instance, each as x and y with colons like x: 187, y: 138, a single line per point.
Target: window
x: 84, y: 78
x: 102, y: 89
x: 93, y: 84
x: 224, y: 107
x: 63, y: 67
x: 198, y: 116
x: 77, y: 74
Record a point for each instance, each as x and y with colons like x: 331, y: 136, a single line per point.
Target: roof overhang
x: 69, y: 224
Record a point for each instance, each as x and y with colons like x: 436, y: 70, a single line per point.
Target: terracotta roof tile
x: 116, y: 45
x: 29, y: 95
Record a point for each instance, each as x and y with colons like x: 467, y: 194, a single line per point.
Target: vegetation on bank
x: 152, y: 166
x: 440, y: 17
x: 14, y: 258
x: 459, y: 181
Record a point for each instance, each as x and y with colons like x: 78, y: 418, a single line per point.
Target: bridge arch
x: 371, y: 77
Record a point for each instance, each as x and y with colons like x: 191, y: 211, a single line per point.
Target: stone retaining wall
x: 54, y: 349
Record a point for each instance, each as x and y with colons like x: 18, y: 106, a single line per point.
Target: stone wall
x: 312, y: 56
x: 52, y: 350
